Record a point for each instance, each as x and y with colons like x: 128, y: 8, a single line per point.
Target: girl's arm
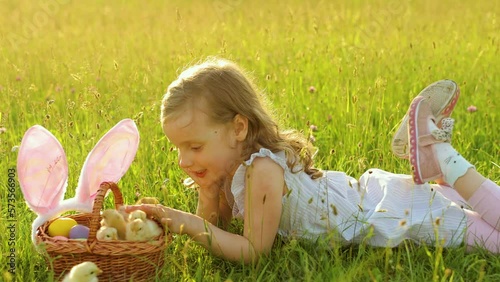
x: 264, y: 190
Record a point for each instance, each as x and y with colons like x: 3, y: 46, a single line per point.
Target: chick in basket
x: 106, y: 233
x: 138, y: 214
x: 113, y: 218
x: 84, y: 272
x: 142, y: 230
x: 151, y: 225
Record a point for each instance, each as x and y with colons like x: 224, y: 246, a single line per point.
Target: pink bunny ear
x: 42, y: 170
x: 109, y: 160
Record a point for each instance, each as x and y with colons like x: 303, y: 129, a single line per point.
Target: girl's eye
x: 196, y: 148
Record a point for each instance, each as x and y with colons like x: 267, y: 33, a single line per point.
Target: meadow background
x: 349, y: 67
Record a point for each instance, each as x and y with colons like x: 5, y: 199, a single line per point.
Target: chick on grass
x: 113, y: 218
x: 142, y: 230
x: 83, y: 272
x: 106, y: 233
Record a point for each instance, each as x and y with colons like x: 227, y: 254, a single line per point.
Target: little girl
x: 247, y: 168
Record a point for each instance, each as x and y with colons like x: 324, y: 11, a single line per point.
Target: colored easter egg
x: 61, y: 227
x: 60, y: 238
x: 79, y: 232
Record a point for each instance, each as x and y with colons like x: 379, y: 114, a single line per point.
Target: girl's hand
x: 169, y: 217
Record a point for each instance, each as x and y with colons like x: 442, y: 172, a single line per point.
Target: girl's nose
x: 184, y: 161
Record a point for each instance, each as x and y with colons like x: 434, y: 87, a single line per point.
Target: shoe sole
x: 441, y: 106
x: 413, y: 135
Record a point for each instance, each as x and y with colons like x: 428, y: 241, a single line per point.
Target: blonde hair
x: 228, y: 91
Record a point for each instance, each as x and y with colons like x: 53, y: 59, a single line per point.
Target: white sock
x: 452, y: 164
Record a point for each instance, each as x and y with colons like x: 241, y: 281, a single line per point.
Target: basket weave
x: 118, y: 259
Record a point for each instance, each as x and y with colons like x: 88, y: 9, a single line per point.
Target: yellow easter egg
x: 61, y: 227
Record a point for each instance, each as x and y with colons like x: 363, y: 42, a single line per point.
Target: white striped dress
x: 382, y: 208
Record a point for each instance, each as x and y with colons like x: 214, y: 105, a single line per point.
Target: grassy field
x: 78, y: 67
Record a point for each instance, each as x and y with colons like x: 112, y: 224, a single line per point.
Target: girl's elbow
x: 255, y: 255
x: 251, y: 259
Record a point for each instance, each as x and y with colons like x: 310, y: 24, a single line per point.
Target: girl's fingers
x: 165, y: 221
x: 129, y: 208
x: 156, y: 211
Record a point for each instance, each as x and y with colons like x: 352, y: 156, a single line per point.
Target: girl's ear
x: 240, y: 124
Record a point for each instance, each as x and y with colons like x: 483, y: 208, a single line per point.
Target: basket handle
x: 95, y: 223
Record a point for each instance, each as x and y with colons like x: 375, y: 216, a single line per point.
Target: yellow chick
x: 113, y: 218
x: 123, y: 213
x: 106, y: 233
x: 136, y: 230
x: 153, y: 227
x: 84, y: 272
x: 137, y: 214
x: 142, y: 230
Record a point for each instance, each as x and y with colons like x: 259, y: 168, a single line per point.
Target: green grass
x: 78, y: 67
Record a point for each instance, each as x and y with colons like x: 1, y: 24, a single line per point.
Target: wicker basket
x: 119, y: 260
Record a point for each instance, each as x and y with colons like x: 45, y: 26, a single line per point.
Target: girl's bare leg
x: 469, y: 183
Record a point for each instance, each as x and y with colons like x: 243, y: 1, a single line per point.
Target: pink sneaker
x: 443, y: 96
x: 422, y: 135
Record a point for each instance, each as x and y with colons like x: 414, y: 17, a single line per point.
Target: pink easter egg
x: 79, y: 232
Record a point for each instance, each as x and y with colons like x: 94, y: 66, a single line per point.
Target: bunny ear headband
x: 43, y: 170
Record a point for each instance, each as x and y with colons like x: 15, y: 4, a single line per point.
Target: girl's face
x: 208, y: 152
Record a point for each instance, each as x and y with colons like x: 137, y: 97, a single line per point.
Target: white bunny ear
x: 108, y: 161
x: 42, y: 170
